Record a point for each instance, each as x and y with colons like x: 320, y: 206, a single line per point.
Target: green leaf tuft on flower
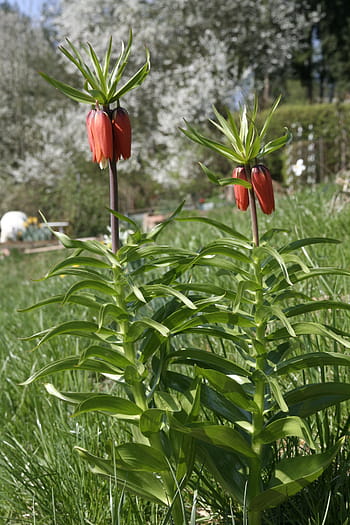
x: 100, y: 82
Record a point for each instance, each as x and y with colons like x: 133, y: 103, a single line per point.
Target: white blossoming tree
x: 200, y: 53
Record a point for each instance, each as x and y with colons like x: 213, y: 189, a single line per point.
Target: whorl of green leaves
x: 101, y: 81
x: 245, y: 142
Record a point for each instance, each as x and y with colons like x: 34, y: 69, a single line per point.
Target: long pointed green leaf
x: 221, y: 227
x: 113, y: 311
x: 205, y: 359
x: 275, y: 144
x: 74, y: 398
x: 279, y: 259
x: 145, y: 484
x: 159, y: 290
x: 155, y: 232
x: 134, y: 81
x: 308, y: 328
x: 300, y: 243
x: 76, y: 328
x: 235, y: 131
x: 138, y: 457
x: 315, y: 306
x: 212, y: 144
x: 98, y: 68
x: 292, y: 475
x: 269, y: 117
x: 90, y: 284
x: 106, y: 354
x: 90, y: 302
x: 277, y: 394
x: 309, y: 399
x: 230, y: 131
x: 313, y: 359
x: 218, y: 435
x: 124, y: 218
x: 90, y: 246
x: 135, y: 328
x: 70, y: 363
x: 231, y: 389
x: 227, y: 468
x: 107, y: 58
x: 287, y: 426
x: 115, y: 406
x: 79, y: 261
x: 243, y: 132
x: 283, y: 318
x: 82, y: 68
x: 74, y: 94
x: 120, y: 65
x: 151, y: 421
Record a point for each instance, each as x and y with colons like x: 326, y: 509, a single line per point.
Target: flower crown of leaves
x: 101, y: 82
x: 246, y: 143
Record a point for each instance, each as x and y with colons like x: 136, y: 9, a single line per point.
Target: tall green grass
x: 42, y: 481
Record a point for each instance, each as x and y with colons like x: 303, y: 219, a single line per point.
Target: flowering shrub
x: 153, y: 308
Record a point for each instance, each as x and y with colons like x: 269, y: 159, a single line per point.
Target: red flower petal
x: 121, y: 133
x: 103, y: 135
x: 241, y: 193
x: 262, y: 185
x: 89, y: 118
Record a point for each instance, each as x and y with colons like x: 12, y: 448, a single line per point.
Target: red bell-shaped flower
x: 121, y: 133
x: 103, y: 136
x: 100, y: 136
x: 262, y: 185
x: 241, y: 193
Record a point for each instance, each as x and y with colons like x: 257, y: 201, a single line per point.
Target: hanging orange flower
x: 262, y: 185
x: 121, y: 133
x: 100, y: 136
x: 241, y: 193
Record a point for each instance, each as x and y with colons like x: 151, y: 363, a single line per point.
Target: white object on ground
x: 11, y: 223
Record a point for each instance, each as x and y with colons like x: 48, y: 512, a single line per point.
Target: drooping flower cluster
x: 109, y: 135
x: 261, y: 181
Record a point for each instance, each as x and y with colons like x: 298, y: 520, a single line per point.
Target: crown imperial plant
x: 108, y: 129
x: 246, y: 145
x: 227, y: 413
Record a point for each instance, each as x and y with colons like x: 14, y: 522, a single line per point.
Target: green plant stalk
x: 254, y: 478
x: 140, y: 398
x: 137, y: 388
x: 138, y: 392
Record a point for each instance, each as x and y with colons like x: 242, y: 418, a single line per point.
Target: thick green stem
x: 254, y: 481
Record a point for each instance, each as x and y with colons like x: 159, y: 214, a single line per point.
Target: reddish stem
x: 113, y: 204
x: 253, y: 214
